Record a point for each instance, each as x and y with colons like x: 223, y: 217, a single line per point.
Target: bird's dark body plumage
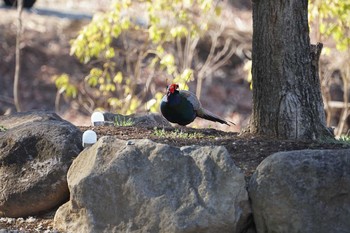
x: 182, y: 107
x: 177, y: 109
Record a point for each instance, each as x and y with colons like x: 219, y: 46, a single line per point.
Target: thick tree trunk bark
x: 287, y: 101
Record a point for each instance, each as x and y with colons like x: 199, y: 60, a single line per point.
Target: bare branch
x: 18, y: 55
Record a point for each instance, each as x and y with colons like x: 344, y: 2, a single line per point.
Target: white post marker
x: 89, y: 138
x: 97, y: 118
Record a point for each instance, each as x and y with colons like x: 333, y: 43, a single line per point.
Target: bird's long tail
x: 205, y: 114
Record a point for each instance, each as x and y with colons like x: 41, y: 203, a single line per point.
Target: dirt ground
x: 247, y: 151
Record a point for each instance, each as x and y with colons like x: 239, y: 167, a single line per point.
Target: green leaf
x: 110, y: 87
x: 218, y: 10
x: 71, y: 91
x: 64, y: 86
x: 168, y: 60
x: 110, y: 53
x: 61, y: 80
x: 179, y: 31
x: 92, y: 81
x: 118, y: 78
x: 125, y: 23
x: 96, y: 72
x: 187, y: 75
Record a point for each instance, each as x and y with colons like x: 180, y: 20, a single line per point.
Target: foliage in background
x: 137, y: 41
x: 64, y: 86
x: 330, y: 20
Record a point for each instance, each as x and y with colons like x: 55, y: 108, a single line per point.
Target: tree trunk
x: 287, y: 101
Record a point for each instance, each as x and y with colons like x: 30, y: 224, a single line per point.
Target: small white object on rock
x: 89, y: 138
x: 97, y: 118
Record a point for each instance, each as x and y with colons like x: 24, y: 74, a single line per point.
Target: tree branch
x: 18, y: 55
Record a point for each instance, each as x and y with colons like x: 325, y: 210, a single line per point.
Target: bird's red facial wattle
x: 172, y: 88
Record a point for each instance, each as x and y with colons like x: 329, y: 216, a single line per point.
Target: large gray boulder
x: 36, y: 150
x: 142, y: 186
x: 302, y: 191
